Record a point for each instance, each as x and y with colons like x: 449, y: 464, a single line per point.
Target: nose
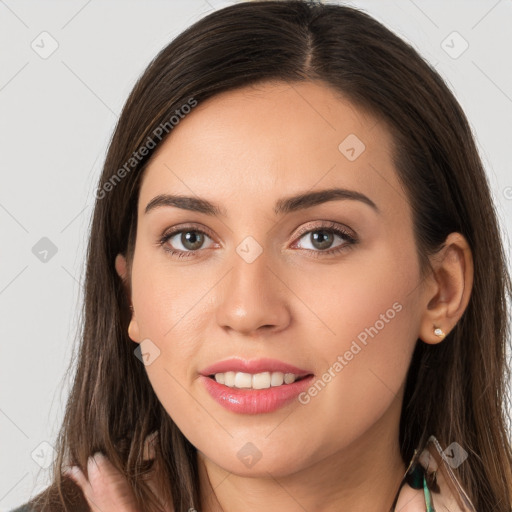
x: 253, y: 298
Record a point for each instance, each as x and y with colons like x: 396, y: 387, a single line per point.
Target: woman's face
x: 266, y: 277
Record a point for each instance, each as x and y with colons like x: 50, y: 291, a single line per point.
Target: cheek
x: 168, y: 300
x: 171, y: 305
x: 366, y: 351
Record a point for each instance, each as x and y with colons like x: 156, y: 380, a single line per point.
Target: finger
x: 110, y: 487
x: 76, y: 475
x: 79, y: 478
x: 149, y: 446
x: 106, y: 489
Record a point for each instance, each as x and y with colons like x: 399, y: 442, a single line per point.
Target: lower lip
x: 255, y: 401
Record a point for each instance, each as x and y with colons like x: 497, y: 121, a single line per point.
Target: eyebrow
x: 282, y: 206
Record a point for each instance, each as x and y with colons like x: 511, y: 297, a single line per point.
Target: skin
x: 244, y: 150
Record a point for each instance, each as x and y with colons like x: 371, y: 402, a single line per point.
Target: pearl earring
x: 439, y: 332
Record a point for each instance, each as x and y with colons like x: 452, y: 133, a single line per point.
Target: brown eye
x: 322, y: 238
x: 322, y: 241
x: 192, y: 240
x: 184, y: 242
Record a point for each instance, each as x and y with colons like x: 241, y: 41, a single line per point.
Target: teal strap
x: 428, y: 497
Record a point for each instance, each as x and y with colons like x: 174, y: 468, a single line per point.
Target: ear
x: 447, y: 291
x: 122, y: 270
x: 121, y: 267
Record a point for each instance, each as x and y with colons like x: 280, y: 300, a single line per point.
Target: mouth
x: 254, y: 400
x: 254, y: 386
x: 262, y: 380
x: 255, y: 373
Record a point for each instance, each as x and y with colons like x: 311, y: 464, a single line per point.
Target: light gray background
x: 57, y: 115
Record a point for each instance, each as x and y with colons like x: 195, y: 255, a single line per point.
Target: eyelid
x: 190, y: 226
x: 325, y: 224
x: 347, y: 235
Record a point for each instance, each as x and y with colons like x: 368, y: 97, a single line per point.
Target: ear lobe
x: 122, y: 270
x: 133, y: 330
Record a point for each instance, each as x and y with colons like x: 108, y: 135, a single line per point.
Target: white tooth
x: 243, y: 380
x: 261, y: 380
x: 229, y: 379
x: 277, y: 379
x: 289, y: 378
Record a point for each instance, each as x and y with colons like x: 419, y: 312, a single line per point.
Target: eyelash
x: 330, y: 227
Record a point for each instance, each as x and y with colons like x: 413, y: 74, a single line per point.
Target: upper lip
x: 253, y: 366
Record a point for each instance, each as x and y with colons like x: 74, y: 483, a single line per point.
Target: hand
x: 106, y: 490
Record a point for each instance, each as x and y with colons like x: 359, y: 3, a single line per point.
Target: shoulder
x: 24, y: 508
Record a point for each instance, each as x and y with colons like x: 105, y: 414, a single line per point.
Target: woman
x: 297, y: 299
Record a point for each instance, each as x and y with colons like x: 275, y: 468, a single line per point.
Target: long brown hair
x: 455, y: 390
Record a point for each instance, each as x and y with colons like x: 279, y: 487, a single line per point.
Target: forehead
x: 273, y: 139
